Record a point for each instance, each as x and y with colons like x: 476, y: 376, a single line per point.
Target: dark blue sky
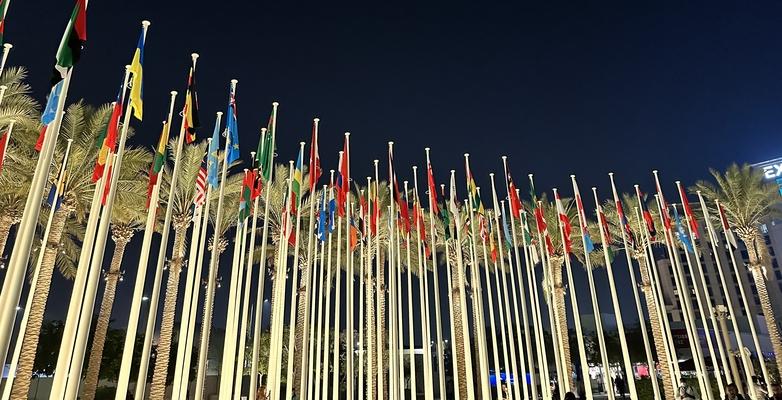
x: 561, y: 87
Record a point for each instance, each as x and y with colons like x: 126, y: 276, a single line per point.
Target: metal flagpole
x: 537, y: 320
x: 641, y: 320
x: 338, y: 298
x: 6, y: 49
x: 214, y: 258
x: 242, y: 332
x: 380, y: 293
x: 745, y: 303
x: 362, y: 311
x: 593, y: 295
x: 629, y: 374
x: 450, y: 288
x: 514, y: 376
x: 36, y: 272
x: 423, y: 294
x: 80, y: 281
x: 699, y: 299
x: 316, y: 317
x: 327, y: 304
x: 370, y: 286
x: 410, y: 332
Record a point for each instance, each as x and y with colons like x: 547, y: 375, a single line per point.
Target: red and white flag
x: 726, y: 226
x: 315, y: 170
x: 567, y: 229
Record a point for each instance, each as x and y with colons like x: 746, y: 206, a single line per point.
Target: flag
x: 623, y: 221
x: 505, y: 230
x: 604, y: 225
x: 3, y: 10
x: 354, y: 233
x: 567, y: 229
x: 41, y: 137
x: 264, y: 156
x: 589, y: 246
x: 726, y: 226
x: 453, y: 209
x: 403, y: 216
x: 375, y: 204
x: 543, y: 229
x: 244, y: 196
x: 296, y: 185
x: 343, y: 179
x: 57, y: 191
x: 69, y: 52
x: 3, y: 148
x: 688, y: 213
x: 528, y: 239
x: 513, y: 198
x: 190, y: 112
x: 231, y: 125
x: 476, y: 197
x: 315, y: 170
x: 50, y: 111
x: 157, y: 162
x: 211, y: 157
x: 200, y: 195
x: 647, y: 216
x: 434, y: 209
x: 137, y: 69
x: 681, y: 233
x: 257, y: 184
x: 332, y: 209
x: 492, y: 246
x: 664, y: 206
x: 107, y: 187
x: 107, y: 141
x: 321, y: 232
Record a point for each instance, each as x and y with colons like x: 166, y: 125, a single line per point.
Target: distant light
x: 18, y: 308
x: 145, y: 298
x: 265, y: 300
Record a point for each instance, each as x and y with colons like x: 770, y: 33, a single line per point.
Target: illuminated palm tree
x: 749, y: 202
x: 83, y: 124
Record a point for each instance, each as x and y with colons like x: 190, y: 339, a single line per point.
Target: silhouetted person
x: 685, y: 392
x: 620, y: 385
x: 732, y: 392
x: 570, y: 396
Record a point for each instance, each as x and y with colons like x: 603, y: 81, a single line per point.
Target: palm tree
x: 749, y: 202
x: 181, y: 200
x: 83, y: 124
x: 638, y: 249
x: 20, y: 107
x: 127, y: 217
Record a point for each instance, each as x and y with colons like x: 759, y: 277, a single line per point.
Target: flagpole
x: 337, y: 308
x: 393, y: 343
x: 199, y: 262
x: 528, y: 360
x: 686, y: 301
x: 138, y: 293
x: 436, y: 291
x: 212, y: 276
x: 537, y: 320
x: 629, y: 374
x: 452, y: 325
x: 239, y: 369
x: 744, y: 361
x: 350, y: 277
x: 259, y: 300
x: 380, y: 293
x: 410, y: 332
x: 370, y: 287
x: 6, y: 49
x: 361, y: 298
x: 327, y: 304
x: 305, y: 355
x: 661, y: 313
x: 17, y: 264
x: 423, y: 294
x: 659, y: 300
x: 517, y: 392
x: 593, y: 294
x: 264, y: 239
x: 641, y: 320
x: 313, y: 362
x: 745, y: 303
x: 36, y: 273
x: 701, y: 310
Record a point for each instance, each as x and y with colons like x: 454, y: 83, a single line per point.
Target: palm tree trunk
x: 756, y: 249
x: 99, y: 340
x: 564, y: 334
x: 300, y: 321
x: 158, y: 389
x: 24, y: 370
x: 657, y: 332
x: 6, y: 223
x: 457, y: 318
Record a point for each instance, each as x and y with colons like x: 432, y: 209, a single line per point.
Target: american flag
x: 200, y: 195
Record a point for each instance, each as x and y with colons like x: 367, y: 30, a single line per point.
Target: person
x: 620, y: 385
x: 554, y: 390
x: 570, y: 396
x: 686, y: 392
x: 733, y: 392
x: 776, y: 391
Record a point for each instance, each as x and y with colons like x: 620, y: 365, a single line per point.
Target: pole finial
x: 145, y: 23
x: 572, y: 176
x: 8, y: 46
x: 174, y: 93
x: 194, y: 56
x: 504, y: 158
x: 302, y: 143
x: 219, y: 113
x: 491, y: 174
x: 275, y: 104
x: 347, y: 133
x: 316, y: 120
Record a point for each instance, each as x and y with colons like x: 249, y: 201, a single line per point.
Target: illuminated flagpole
x: 362, y: 311
x: 380, y: 293
x: 634, y: 285
x: 350, y: 277
x: 6, y: 50
x: 673, y: 363
x: 745, y: 362
x: 423, y: 294
x: 259, y: 297
x: 370, y: 285
x: 519, y: 369
x: 409, y: 292
x: 245, y: 307
x: 338, y: 297
x: 745, y: 302
x: 686, y: 301
x: 36, y: 272
x: 313, y: 361
x: 593, y: 294
x: 211, y: 277
x: 629, y: 374
x: 393, y: 328
x: 699, y: 299
x: 326, y: 322
x: 455, y: 359
x: 198, y: 264
x: 436, y: 284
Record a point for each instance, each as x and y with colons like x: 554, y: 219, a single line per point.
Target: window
x: 744, y: 254
x: 778, y: 274
x: 771, y: 251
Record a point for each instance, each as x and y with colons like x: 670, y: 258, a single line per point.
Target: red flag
x: 107, y: 188
x: 434, y: 209
x: 567, y: 229
x: 315, y: 170
x: 3, y: 147
x: 41, y: 137
x: 109, y: 144
x: 543, y: 228
x: 688, y: 212
x: 513, y: 196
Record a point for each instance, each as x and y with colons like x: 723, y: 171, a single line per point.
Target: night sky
x: 561, y: 88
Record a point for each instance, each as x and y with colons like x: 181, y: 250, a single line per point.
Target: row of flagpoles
x: 345, y: 227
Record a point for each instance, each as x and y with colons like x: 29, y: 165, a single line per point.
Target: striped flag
x: 403, y: 213
x: 688, y: 212
x: 567, y: 229
x: 726, y: 226
x: 647, y: 216
x: 200, y: 187
x: 681, y: 233
x: 69, y: 52
x: 513, y: 198
x: 57, y: 191
x: 107, y: 141
x: 588, y: 243
x: 296, y: 185
x: 137, y: 69
x: 434, y: 208
x: 315, y: 170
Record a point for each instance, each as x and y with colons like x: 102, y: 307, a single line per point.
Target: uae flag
x: 69, y: 52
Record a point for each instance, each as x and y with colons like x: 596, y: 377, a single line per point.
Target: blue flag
x: 211, y: 158
x: 332, y: 212
x: 233, y: 130
x: 51, y: 104
x: 321, y: 233
x: 505, y: 229
x: 681, y: 233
